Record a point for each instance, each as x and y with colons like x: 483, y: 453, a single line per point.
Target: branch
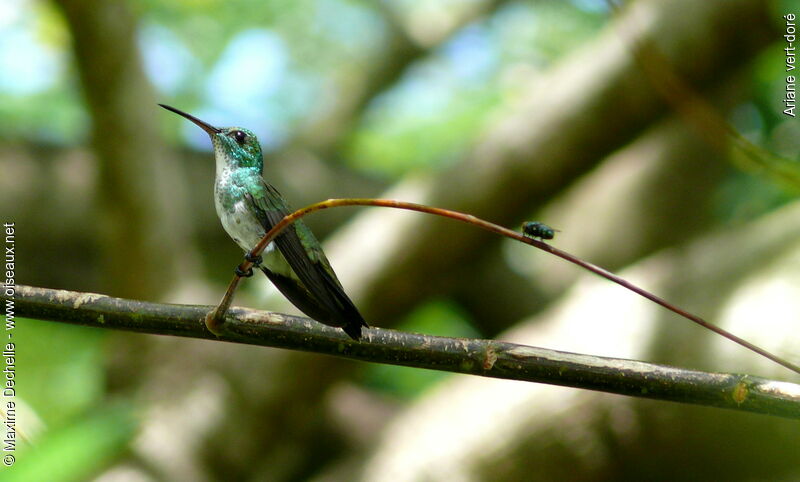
x: 216, y: 317
x: 486, y: 358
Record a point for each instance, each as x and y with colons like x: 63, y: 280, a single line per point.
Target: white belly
x: 241, y: 225
x: 244, y: 228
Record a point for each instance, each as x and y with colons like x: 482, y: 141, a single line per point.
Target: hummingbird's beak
x: 203, y: 125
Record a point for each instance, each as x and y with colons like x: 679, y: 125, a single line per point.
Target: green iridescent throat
x: 237, y: 156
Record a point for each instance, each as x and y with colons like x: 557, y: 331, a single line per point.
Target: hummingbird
x: 248, y: 207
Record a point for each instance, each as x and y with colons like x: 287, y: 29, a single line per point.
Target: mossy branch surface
x: 486, y: 358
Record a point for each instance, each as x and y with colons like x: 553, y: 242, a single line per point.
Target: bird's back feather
x: 316, y: 291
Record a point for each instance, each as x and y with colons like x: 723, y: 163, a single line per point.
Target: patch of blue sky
x: 593, y: 6
x: 471, y: 54
x: 425, y: 92
x: 251, y: 68
x: 467, y: 61
x: 169, y: 64
x: 348, y: 23
x: 245, y: 86
x: 27, y: 66
x: 298, y: 96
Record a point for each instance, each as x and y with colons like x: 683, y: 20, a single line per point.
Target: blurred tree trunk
x: 140, y: 194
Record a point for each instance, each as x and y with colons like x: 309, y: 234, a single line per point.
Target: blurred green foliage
x: 436, y: 111
x: 78, y: 450
x: 275, y: 66
x: 61, y: 368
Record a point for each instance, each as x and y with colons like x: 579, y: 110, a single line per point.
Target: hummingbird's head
x: 238, y: 146
x: 233, y: 146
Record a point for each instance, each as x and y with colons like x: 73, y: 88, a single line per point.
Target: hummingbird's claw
x: 243, y: 274
x: 256, y: 260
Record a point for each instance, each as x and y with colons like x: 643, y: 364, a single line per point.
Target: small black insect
x: 535, y: 229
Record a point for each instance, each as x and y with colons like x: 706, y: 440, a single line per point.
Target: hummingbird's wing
x: 321, y: 296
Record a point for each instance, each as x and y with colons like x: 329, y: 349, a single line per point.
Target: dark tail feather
x: 348, y: 318
x: 353, y: 330
x: 354, y: 320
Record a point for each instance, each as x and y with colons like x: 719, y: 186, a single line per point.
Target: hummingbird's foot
x: 256, y: 260
x: 243, y: 274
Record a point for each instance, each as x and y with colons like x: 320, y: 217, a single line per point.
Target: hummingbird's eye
x: 240, y: 137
